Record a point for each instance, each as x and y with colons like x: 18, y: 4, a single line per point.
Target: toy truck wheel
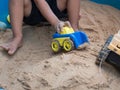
x: 103, y: 54
x: 55, y: 46
x: 68, y: 45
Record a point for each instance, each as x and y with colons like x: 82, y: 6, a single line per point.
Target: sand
x: 36, y: 67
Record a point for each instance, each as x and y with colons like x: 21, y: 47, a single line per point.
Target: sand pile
x: 35, y: 67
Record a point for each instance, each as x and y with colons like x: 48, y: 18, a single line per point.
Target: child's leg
x: 73, y: 8
x: 17, y: 11
x: 18, y: 8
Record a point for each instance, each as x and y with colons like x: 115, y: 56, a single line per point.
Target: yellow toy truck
x: 67, y: 39
x: 110, y: 52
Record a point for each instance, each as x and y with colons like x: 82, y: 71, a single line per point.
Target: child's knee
x: 61, y: 4
x: 27, y: 7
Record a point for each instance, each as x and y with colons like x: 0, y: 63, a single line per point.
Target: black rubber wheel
x: 104, y: 51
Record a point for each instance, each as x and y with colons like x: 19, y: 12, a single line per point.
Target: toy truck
x: 67, y: 39
x: 110, y: 52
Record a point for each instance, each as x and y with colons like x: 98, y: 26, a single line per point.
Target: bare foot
x: 11, y: 47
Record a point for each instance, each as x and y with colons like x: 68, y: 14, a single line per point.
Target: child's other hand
x: 62, y: 24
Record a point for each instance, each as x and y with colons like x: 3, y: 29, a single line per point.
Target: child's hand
x: 62, y: 24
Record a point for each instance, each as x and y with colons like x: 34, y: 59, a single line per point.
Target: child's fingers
x: 67, y: 23
x: 62, y: 24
